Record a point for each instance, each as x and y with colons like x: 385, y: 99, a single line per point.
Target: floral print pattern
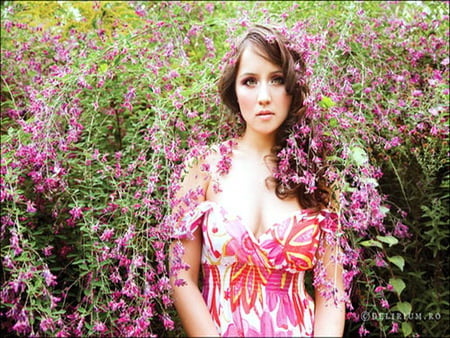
x: 255, y: 286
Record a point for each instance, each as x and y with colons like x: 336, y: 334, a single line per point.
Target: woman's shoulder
x: 210, y: 155
x: 223, y: 148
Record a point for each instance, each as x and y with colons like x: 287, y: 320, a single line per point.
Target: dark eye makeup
x: 251, y: 81
x: 278, y: 79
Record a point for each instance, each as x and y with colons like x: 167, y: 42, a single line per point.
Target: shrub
x: 101, y: 102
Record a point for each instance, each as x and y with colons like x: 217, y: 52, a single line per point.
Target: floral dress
x: 254, y: 286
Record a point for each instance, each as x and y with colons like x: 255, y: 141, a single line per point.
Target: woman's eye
x: 278, y: 80
x: 249, y: 82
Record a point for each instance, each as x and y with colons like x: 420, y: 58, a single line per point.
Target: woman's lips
x: 265, y: 114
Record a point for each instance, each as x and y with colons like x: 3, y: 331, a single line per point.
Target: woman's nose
x: 264, y: 95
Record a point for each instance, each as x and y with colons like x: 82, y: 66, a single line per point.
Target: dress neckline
x: 252, y: 235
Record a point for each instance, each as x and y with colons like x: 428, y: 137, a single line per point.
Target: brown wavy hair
x: 275, y: 48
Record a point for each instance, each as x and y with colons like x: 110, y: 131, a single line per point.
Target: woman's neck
x: 257, y: 145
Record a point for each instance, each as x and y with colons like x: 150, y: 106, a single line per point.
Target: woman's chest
x: 245, y: 191
x: 289, y: 243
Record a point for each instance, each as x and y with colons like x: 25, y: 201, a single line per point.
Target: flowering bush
x: 102, y: 102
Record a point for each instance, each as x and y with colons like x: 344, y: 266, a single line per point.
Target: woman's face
x: 261, y: 93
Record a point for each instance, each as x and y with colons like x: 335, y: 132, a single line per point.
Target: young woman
x: 252, y: 237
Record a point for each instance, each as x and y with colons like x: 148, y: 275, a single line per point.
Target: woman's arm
x: 189, y: 302
x: 330, y: 311
x: 191, y: 307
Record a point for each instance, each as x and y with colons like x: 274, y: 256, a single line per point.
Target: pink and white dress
x: 254, y: 286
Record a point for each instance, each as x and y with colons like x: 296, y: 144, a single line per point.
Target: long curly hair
x: 277, y: 49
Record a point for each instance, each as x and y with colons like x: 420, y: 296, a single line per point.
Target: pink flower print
x: 211, y: 289
x: 273, y: 247
x: 279, y: 283
x: 233, y: 331
x: 242, y: 330
x: 299, y: 243
x: 246, y: 284
x: 268, y: 328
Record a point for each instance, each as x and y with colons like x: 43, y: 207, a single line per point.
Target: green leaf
x: 406, y: 328
x: 333, y: 158
x: 79, y: 262
x: 398, y: 285
x: 370, y: 180
x: 391, y: 240
x: 326, y: 102
x: 333, y: 123
x: 397, y: 260
x: 384, y: 210
x: 347, y: 187
x: 359, y: 156
x: 357, y: 86
x: 404, y: 308
x: 103, y: 68
x: 372, y: 242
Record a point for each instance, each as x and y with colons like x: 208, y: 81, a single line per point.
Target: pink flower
x: 65, y: 250
x: 352, y: 316
x: 47, y: 324
x: 107, y: 235
x: 8, y: 263
x: 141, y: 11
x: 50, y: 279
x: 76, y: 213
x: 384, y: 303
x: 48, y: 250
x: 14, y: 242
x: 363, y: 331
x: 167, y: 322
x: 224, y: 165
x: 22, y: 326
x: 394, y: 328
x: 100, y: 327
x: 31, y: 207
x: 379, y: 289
x: 379, y: 261
x: 401, y: 230
x: 417, y: 93
x: 209, y: 7
x: 54, y: 301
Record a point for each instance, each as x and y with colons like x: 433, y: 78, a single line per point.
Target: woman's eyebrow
x: 255, y: 74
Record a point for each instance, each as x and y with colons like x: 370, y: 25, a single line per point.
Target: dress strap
x: 185, y: 228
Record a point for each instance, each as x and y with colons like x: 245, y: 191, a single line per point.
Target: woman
x: 252, y: 236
